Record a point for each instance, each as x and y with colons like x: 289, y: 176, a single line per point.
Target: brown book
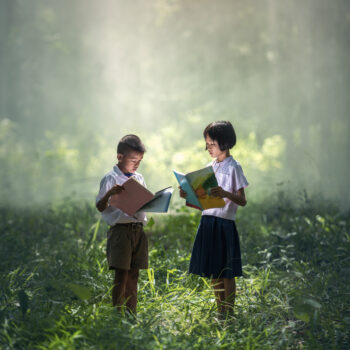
x: 137, y: 197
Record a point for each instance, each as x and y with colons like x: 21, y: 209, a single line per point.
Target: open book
x: 197, y: 185
x: 136, y: 198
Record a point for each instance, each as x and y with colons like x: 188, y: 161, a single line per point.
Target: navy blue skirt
x: 216, y: 252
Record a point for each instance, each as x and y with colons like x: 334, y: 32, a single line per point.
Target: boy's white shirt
x: 114, y: 215
x: 231, y: 178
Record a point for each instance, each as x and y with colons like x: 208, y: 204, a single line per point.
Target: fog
x: 77, y: 76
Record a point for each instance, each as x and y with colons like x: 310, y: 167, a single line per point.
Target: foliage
x: 55, y: 286
x: 77, y: 77
x: 58, y: 166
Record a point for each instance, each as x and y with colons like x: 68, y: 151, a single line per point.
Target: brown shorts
x: 127, y: 247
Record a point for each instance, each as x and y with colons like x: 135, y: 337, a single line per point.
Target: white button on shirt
x: 114, y: 215
x: 231, y: 178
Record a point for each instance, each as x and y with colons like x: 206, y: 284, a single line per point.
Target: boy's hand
x: 218, y: 192
x: 103, y: 203
x: 183, y: 194
x: 116, y: 189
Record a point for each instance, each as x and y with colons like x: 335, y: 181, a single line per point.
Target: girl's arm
x: 237, y: 197
x: 183, y: 194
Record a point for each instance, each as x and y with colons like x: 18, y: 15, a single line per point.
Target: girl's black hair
x: 222, y: 132
x: 130, y: 143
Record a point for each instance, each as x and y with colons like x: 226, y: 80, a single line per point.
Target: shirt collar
x: 223, y: 167
x: 119, y: 172
x: 226, y: 160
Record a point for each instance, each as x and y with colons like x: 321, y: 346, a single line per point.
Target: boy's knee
x: 121, y: 275
x: 133, y: 274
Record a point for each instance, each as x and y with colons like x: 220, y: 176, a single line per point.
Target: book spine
x: 193, y: 206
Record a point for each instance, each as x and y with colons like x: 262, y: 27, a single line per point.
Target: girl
x: 216, y: 251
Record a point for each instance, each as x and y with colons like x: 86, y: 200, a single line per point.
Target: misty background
x: 75, y: 76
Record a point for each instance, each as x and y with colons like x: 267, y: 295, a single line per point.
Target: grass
x: 55, y: 286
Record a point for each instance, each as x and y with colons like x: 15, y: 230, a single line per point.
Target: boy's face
x: 129, y: 162
x: 213, y: 147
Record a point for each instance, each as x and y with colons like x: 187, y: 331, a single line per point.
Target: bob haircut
x: 130, y: 143
x: 222, y: 132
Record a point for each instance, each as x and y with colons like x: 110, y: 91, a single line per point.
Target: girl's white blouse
x: 231, y: 178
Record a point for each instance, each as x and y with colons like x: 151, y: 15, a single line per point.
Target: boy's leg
x: 118, y: 291
x: 219, y: 291
x: 131, y: 289
x: 230, y: 292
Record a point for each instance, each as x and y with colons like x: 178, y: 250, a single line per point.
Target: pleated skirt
x: 216, y: 251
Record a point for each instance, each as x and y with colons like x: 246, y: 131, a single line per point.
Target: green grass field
x: 295, y: 293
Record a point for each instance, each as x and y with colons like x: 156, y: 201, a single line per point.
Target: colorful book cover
x: 136, y: 197
x: 197, y: 185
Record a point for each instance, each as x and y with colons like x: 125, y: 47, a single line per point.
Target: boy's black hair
x: 130, y: 143
x: 222, y: 132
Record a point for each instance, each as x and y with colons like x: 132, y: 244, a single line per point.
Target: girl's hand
x: 218, y: 192
x: 116, y: 189
x: 183, y: 194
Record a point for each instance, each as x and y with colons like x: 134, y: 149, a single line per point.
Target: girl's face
x: 213, y: 148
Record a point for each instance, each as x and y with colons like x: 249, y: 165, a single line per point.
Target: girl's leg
x: 230, y: 293
x: 219, y: 291
x: 131, y: 289
x: 118, y: 291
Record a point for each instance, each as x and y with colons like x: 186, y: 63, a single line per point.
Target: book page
x: 160, y: 202
x: 202, y: 181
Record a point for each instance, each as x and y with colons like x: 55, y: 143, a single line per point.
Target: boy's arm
x: 237, y: 197
x: 102, y: 204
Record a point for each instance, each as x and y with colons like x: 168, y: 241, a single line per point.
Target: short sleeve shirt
x: 231, y: 178
x: 113, y: 215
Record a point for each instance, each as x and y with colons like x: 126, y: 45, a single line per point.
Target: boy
x: 127, y: 246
